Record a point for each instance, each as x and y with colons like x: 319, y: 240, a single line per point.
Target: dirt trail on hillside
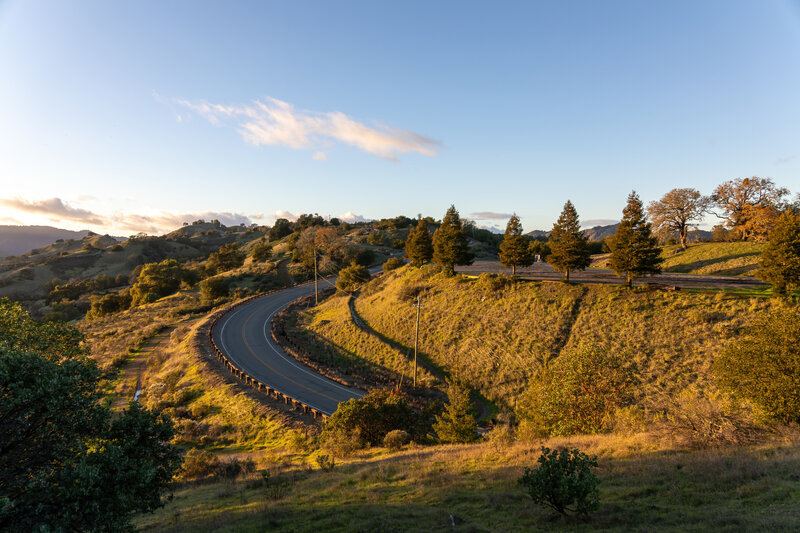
x: 131, y: 378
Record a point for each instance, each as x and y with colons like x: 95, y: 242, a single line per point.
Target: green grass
x: 720, y: 258
x: 644, y: 487
x: 494, y: 341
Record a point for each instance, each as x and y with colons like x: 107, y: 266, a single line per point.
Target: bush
x: 763, y: 365
x: 457, y: 423
x: 199, y: 463
x: 579, y: 392
x: 213, y: 288
x: 563, y: 481
x: 326, y: 462
x: 396, y: 439
x: 372, y: 417
x: 352, y: 277
x: 392, y: 263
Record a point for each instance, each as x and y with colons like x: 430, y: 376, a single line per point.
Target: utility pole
x: 416, y: 341
x: 316, y: 296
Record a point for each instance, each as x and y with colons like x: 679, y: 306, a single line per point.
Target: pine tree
x: 419, y: 246
x: 780, y: 262
x: 515, y: 248
x: 569, y: 247
x: 636, y: 252
x: 456, y: 424
x: 450, y: 246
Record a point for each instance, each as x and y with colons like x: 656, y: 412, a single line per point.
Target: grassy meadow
x: 718, y: 258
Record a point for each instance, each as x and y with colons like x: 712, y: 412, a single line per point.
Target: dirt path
x: 130, y: 380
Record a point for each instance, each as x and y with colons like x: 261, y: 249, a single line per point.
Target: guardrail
x: 246, y: 378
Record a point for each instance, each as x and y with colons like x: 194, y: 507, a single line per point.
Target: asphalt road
x: 245, y: 336
x: 545, y: 272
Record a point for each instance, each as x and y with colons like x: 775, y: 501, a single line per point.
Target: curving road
x: 245, y: 336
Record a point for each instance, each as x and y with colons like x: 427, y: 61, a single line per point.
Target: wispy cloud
x: 54, y: 209
x: 274, y: 122
x: 58, y: 211
x: 282, y: 213
x: 490, y: 215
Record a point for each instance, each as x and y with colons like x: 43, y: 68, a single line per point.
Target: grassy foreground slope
x: 494, y: 336
x: 644, y: 487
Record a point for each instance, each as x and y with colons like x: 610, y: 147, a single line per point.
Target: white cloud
x: 490, y: 215
x: 282, y: 213
x: 274, y: 122
x: 319, y: 156
x: 54, y: 209
x: 352, y: 218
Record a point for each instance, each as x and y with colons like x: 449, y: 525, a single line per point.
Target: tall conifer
x: 450, y: 247
x: 419, y: 246
x: 569, y: 247
x: 636, y: 252
x: 515, y: 248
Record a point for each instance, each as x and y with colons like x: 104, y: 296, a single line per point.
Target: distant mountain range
x: 15, y: 240
x: 598, y: 233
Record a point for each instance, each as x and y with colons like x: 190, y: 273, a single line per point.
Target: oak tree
x: 677, y: 211
x: 750, y: 206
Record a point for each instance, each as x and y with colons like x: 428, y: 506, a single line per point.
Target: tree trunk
x: 630, y: 281
x: 683, y: 233
x: 566, y: 278
x: 514, y: 270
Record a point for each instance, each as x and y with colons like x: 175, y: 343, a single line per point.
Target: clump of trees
x: 156, y: 280
x: 569, y: 247
x: 352, y: 277
x: 226, y: 258
x: 67, y: 463
x: 634, y: 250
x: 450, y: 246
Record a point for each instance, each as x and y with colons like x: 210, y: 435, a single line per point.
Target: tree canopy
x: 635, y: 252
x: 450, y: 246
x: 677, y: 211
x: 156, y: 280
x: 515, y: 250
x: 750, y: 206
x: 67, y: 463
x: 419, y: 245
x: 569, y: 247
x: 780, y: 261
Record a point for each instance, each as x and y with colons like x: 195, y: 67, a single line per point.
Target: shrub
x: 563, y: 481
x: 492, y: 282
x: 326, y: 462
x: 352, y: 277
x: 199, y: 463
x: 213, y: 288
x: 579, y: 392
x: 396, y: 439
x: 372, y: 417
x: 392, y: 263
x: 763, y: 365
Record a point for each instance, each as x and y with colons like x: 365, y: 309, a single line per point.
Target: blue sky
x: 135, y: 116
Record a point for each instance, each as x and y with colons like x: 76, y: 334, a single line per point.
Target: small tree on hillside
x: 780, y: 262
x: 677, y: 211
x: 352, y: 277
x: 280, y: 229
x: 569, y: 248
x: 450, y: 247
x: 635, y: 251
x: 419, y: 246
x: 516, y: 248
x: 456, y: 424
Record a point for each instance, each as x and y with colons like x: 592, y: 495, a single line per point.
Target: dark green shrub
x: 199, y: 463
x: 372, y: 417
x: 352, y: 277
x: 392, y: 263
x: 563, y: 481
x: 326, y: 462
x: 396, y: 439
x: 213, y: 288
x: 456, y: 424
